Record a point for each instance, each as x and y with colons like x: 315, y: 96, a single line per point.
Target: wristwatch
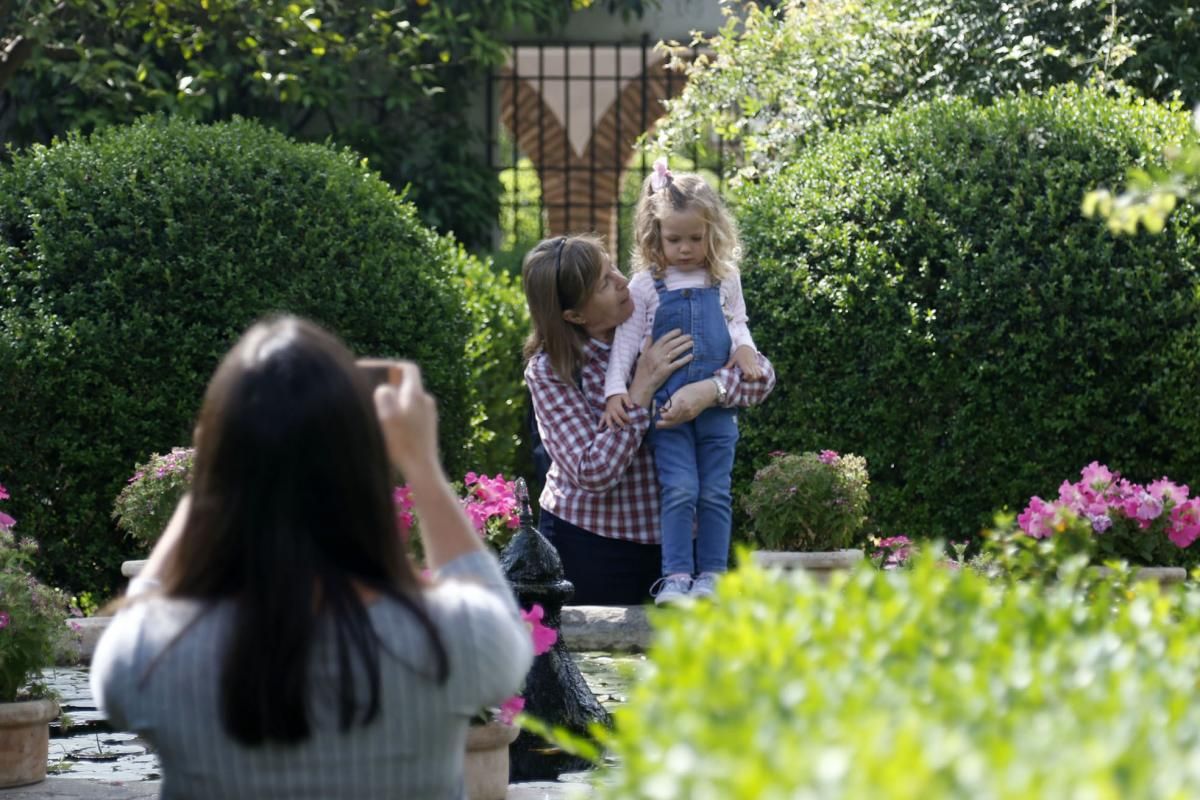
x: 721, y: 393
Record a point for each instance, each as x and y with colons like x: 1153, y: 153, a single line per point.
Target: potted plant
x: 32, y: 633
x: 146, y: 504
x: 491, y: 504
x: 1151, y: 526
x: 807, y: 509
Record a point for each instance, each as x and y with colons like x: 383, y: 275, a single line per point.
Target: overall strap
x: 660, y: 285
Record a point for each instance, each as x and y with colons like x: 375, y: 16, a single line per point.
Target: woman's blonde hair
x: 684, y: 192
x: 559, y: 275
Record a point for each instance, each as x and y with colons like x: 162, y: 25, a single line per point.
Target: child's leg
x: 679, y: 486
x: 716, y: 444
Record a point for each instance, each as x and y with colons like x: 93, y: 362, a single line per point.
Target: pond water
x: 88, y: 748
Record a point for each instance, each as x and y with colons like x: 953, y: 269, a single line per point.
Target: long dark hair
x: 291, y: 515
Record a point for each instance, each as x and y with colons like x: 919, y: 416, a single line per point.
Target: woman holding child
x: 600, y: 506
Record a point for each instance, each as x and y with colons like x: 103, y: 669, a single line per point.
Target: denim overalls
x: 695, y: 459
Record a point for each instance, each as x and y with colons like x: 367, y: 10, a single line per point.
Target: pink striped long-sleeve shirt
x: 631, y: 334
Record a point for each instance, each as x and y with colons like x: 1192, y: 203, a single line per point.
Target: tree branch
x: 14, y: 55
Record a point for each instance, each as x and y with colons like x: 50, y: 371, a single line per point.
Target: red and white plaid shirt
x: 603, y: 480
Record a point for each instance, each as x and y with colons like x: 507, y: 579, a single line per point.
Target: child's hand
x: 746, y: 359
x: 615, y: 417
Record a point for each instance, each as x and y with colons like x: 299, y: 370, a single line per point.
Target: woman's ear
x: 574, y: 317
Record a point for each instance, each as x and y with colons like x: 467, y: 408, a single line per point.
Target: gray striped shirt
x: 156, y: 672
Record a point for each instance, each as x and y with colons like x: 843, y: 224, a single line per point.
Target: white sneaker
x: 705, y: 584
x: 671, y: 589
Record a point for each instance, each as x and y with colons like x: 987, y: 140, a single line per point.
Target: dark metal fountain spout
x: 555, y: 691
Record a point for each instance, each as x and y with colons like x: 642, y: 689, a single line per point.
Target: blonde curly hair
x: 684, y: 192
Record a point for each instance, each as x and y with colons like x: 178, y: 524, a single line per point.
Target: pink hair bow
x: 661, y: 176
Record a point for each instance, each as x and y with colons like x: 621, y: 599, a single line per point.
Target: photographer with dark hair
x: 279, y: 642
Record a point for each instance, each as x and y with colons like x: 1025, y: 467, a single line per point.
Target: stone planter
x: 1164, y: 575
x: 25, y: 741
x: 819, y: 564
x: 485, y: 766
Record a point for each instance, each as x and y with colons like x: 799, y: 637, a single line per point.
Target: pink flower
x: 479, y: 516
x: 1096, y: 476
x: 1185, y: 523
x: 828, y: 457
x: 402, y: 497
x: 3, y: 493
x: 543, y: 637
x: 6, y: 521
x: 1168, y: 492
x: 4, y: 620
x: 510, y: 708
x: 777, y: 453
x: 895, y: 550
x: 1037, y: 519
x: 1073, y: 496
x: 1143, y: 507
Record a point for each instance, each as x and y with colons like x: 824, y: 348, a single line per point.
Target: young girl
x: 686, y: 278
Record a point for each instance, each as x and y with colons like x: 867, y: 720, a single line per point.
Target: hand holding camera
x: 407, y: 414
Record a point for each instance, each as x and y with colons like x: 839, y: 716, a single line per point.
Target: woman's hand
x: 687, y: 403
x: 656, y: 363
x: 408, y: 415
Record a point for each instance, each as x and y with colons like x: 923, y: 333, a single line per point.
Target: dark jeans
x: 606, y: 572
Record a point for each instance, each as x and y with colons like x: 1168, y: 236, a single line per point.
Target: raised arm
x: 738, y: 321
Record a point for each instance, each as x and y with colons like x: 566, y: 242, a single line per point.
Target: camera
x: 378, y: 371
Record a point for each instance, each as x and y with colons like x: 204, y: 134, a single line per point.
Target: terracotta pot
x: 25, y: 741
x: 485, y: 765
x: 820, y: 564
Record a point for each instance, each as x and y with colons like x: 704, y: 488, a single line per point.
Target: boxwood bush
x: 130, y: 261
x: 933, y: 300
x: 499, y: 323
x: 925, y: 684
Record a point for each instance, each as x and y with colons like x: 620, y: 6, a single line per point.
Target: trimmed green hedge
x: 499, y: 322
x: 933, y: 300
x: 933, y: 683
x: 130, y: 261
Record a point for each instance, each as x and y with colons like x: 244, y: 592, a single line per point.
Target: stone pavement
x: 88, y: 760
x: 56, y: 787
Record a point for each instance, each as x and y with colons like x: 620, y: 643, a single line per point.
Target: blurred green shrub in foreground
x: 921, y: 683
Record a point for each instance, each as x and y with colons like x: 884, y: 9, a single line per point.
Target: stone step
x: 622, y: 629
